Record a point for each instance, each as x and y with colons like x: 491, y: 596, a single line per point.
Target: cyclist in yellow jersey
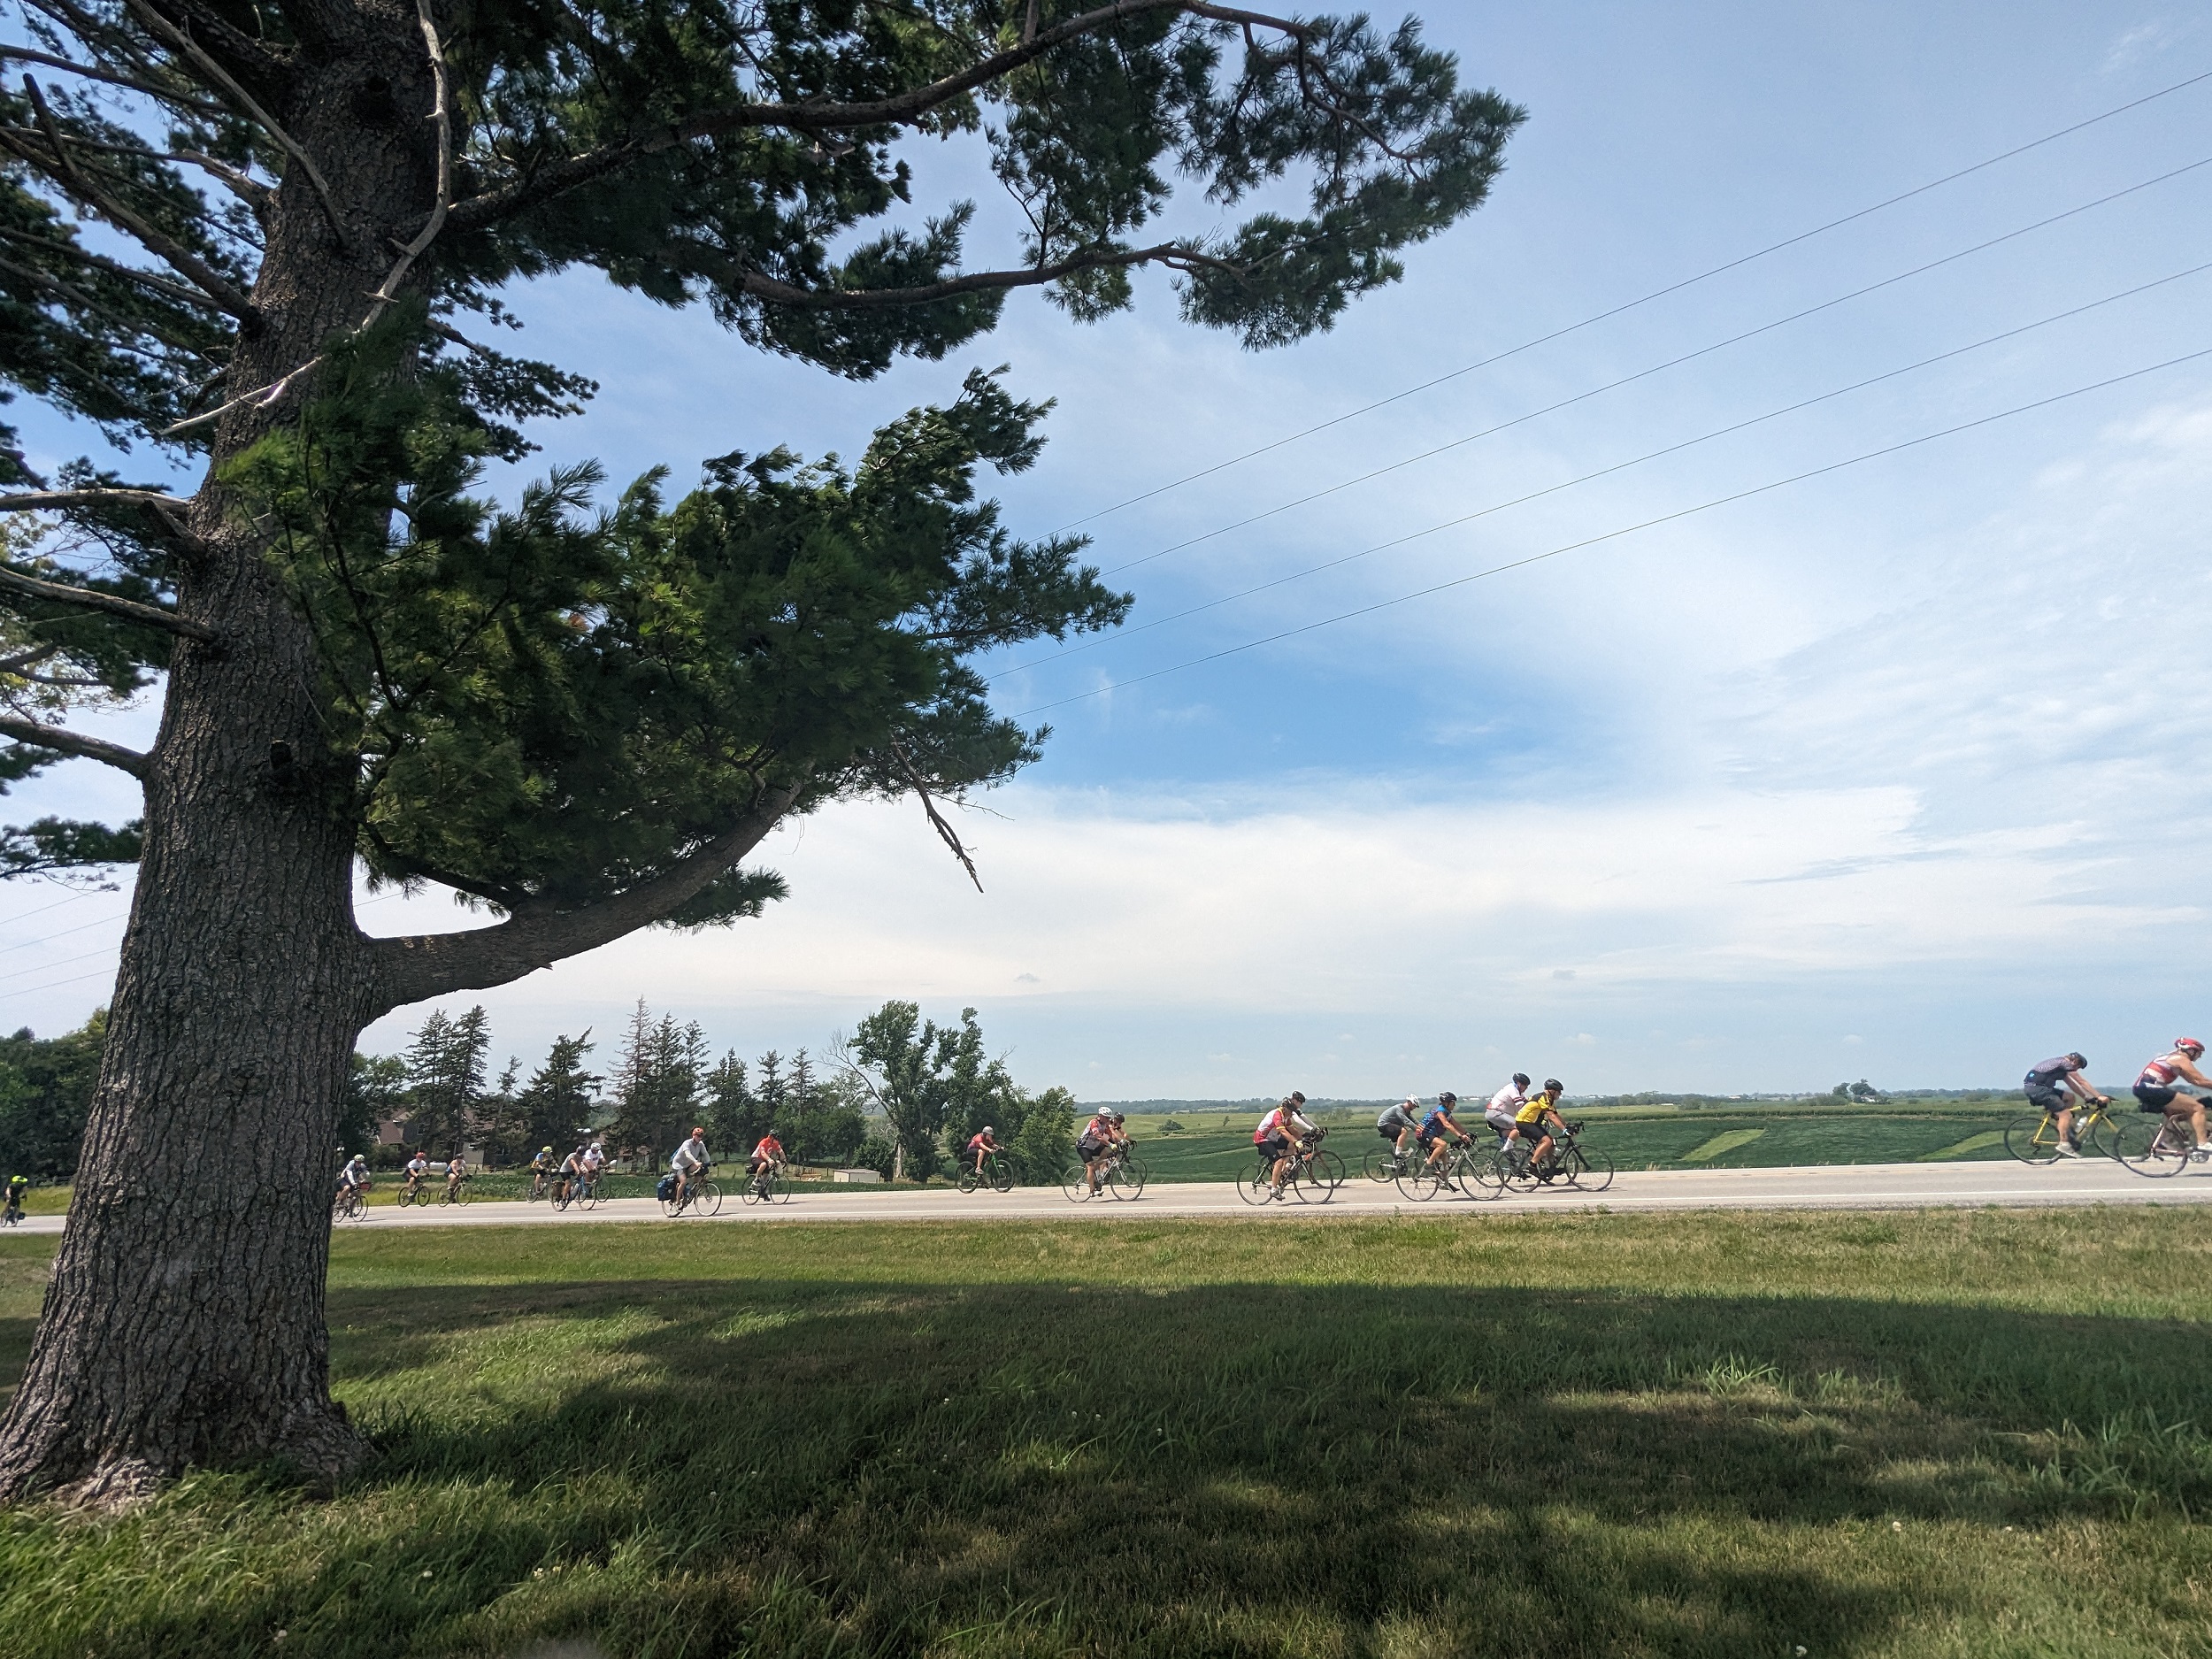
x: 1538, y: 1116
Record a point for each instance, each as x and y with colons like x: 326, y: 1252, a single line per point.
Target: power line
x: 48, y: 967
x: 72, y: 899
x: 1672, y: 362
x: 34, y: 990
x: 1617, y: 467
x: 1656, y: 294
x: 1612, y: 535
x: 65, y: 933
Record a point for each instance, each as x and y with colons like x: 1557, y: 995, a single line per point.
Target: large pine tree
x: 306, y: 211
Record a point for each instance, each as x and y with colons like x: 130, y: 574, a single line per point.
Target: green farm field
x: 1947, y: 1433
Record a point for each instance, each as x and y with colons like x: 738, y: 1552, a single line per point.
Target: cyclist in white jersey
x: 2155, y: 1091
x: 1499, y: 1113
x: 689, y: 1161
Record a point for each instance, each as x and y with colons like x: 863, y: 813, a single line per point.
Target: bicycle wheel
x: 563, y: 1197
x: 1256, y: 1186
x: 966, y: 1181
x: 2033, y: 1137
x: 352, y: 1207
x: 1326, y: 1166
x: 1590, y: 1171
x: 590, y: 1198
x: 2148, y: 1149
x: 1075, y: 1181
x: 707, y: 1198
x: 670, y: 1207
x: 1001, y: 1174
x: 1379, y: 1165
x: 1127, y: 1179
x: 751, y: 1194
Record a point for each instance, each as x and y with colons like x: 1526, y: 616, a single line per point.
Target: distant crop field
x: 1887, y: 1436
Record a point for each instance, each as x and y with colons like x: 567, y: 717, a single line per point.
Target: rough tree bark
x: 176, y: 1330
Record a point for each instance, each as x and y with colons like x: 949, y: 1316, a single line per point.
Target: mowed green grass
x: 1909, y: 1434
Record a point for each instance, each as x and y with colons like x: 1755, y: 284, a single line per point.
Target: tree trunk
x: 184, y: 1324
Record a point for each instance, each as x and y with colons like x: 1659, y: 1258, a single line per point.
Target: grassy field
x: 1924, y: 1434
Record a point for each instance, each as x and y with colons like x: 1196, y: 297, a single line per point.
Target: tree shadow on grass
x: 812, y: 1467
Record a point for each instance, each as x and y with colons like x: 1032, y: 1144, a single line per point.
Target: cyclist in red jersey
x: 2154, y: 1091
x: 1278, y: 1134
x: 767, y: 1155
x: 981, y: 1146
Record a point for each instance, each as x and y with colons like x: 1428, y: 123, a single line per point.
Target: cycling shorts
x: 1501, y: 1121
x: 1396, y: 1122
x: 2043, y: 1097
x: 1274, y: 1147
x: 1090, y: 1151
x: 2151, y: 1097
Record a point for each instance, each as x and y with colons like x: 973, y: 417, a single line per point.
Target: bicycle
x: 997, y: 1175
x: 542, y: 1184
x: 411, y: 1193
x: 766, y: 1187
x: 584, y: 1192
x: 2032, y: 1137
x: 456, y: 1191
x: 2163, y: 1150
x: 1121, y: 1172
x: 1386, y: 1164
x: 1459, y: 1171
x: 699, y: 1194
x: 1311, y: 1171
x: 349, y: 1205
x: 10, y: 1216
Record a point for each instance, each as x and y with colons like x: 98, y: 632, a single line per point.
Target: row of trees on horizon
x: 900, y: 1096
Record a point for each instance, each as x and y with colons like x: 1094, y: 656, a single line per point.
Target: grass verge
x: 1944, y: 1433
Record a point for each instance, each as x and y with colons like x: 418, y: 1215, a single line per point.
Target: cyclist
x: 767, y: 1155
x: 2048, y: 1084
x: 1397, y: 1123
x: 690, y: 1162
x: 571, y: 1173
x: 1499, y: 1113
x: 418, y: 1167
x: 456, y: 1171
x: 1539, y: 1116
x: 355, y: 1177
x: 2154, y: 1091
x: 18, y: 1185
x: 1097, y: 1143
x: 1440, y: 1129
x: 1277, y: 1135
x: 541, y: 1169
x: 981, y: 1146
x: 594, y: 1161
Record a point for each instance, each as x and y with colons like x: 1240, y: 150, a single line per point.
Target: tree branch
x: 115, y: 267
x: 85, y: 302
x: 945, y: 831
x: 92, y: 599
x: 412, y: 969
x: 222, y: 78
x: 75, y: 743
x: 23, y: 54
x: 64, y: 172
x: 812, y: 116
x: 761, y: 286
x: 442, y: 114
x: 54, y: 499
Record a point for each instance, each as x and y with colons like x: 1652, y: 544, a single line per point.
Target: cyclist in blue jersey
x: 1440, y: 1129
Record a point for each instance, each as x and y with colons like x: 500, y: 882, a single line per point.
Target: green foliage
x: 376, y: 1093
x: 656, y: 1085
x: 45, y: 1095
x: 557, y: 703
x: 557, y: 1102
x: 445, y: 1079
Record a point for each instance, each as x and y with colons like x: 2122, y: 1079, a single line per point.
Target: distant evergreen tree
x: 501, y: 1123
x: 735, y: 1116
x: 557, y: 1102
x: 658, y: 1081
x: 445, y: 1079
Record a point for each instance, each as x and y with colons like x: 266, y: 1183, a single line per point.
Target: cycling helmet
x: 987, y: 1129
x: 698, y: 1129
x: 1447, y: 1099
x: 1554, y: 1082
x: 1520, y: 1079
x: 2190, y: 1046
x: 1297, y: 1097
x: 545, y: 1148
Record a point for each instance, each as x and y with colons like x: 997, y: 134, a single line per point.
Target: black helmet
x: 1447, y: 1099
x: 1555, y: 1085
x: 1520, y: 1079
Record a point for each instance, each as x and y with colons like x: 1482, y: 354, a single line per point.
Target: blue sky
x: 1894, y: 772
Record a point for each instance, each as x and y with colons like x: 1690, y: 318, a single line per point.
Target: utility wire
x: 48, y: 967
x: 1656, y: 294
x: 1617, y: 467
x: 65, y: 933
x: 34, y: 990
x: 1672, y: 362
x: 1612, y: 535
x: 56, y: 905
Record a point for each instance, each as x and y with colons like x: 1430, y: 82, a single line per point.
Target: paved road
x: 1833, y: 1187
